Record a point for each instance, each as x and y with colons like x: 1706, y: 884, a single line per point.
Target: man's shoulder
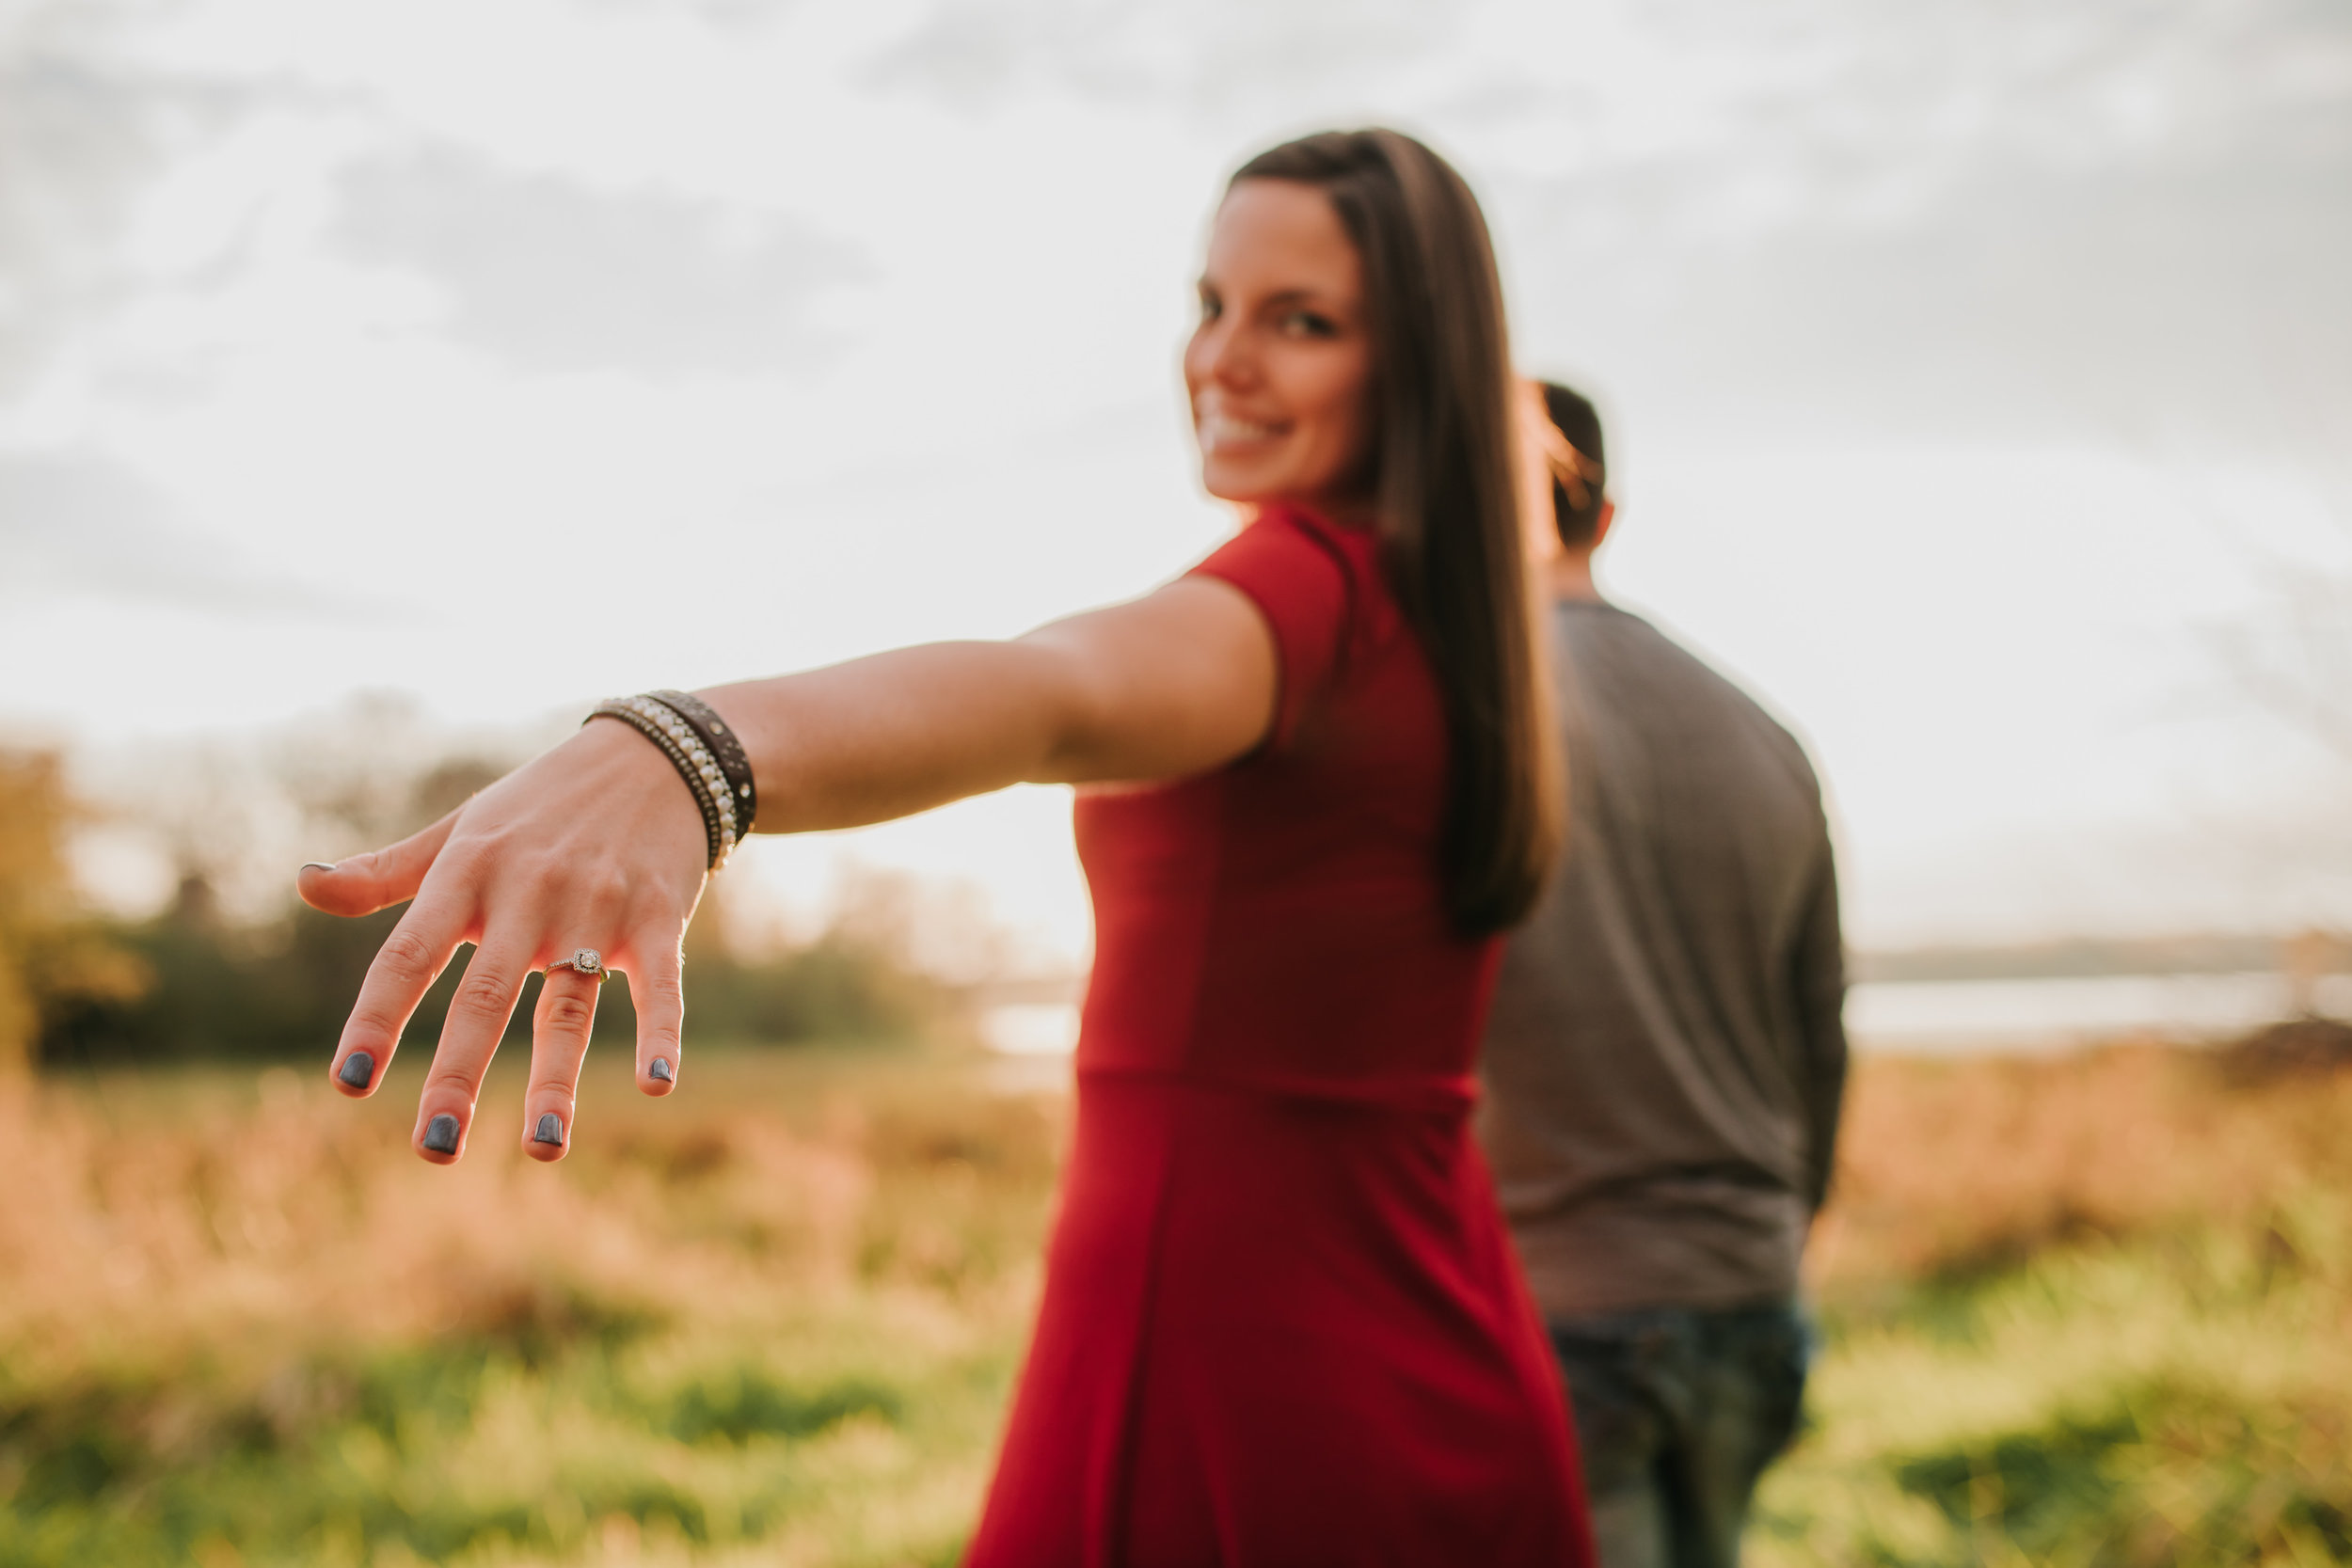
x: 1666, y: 680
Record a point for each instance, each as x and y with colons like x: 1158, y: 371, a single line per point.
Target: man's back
x: 1666, y: 1056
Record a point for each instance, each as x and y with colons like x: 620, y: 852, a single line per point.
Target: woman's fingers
x: 658, y: 990
x: 365, y: 883
x: 405, y: 968
x: 559, y: 1027
x: 478, y: 1013
x: 592, y: 837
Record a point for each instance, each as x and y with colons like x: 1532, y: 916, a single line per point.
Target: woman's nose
x: 1230, y: 361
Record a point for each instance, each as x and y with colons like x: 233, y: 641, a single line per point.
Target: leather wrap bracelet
x: 725, y: 749
x: 682, y: 742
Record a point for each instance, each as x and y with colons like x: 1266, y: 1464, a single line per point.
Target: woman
x: 1281, y: 1323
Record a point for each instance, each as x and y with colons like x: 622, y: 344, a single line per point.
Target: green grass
x: 830, y: 1433
x: 775, y: 1320
x: 2182, y: 1398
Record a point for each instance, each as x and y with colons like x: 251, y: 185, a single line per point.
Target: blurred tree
x: 279, y: 990
x: 239, y: 812
x: 2294, y: 656
x: 226, y: 984
x: 2288, y: 656
x: 858, y: 980
x: 53, y: 956
x: 237, y: 971
x: 375, y: 768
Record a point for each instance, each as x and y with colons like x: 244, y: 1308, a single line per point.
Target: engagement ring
x: 586, y: 960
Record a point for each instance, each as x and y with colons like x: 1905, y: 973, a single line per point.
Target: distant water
x: 2055, y: 1015
x: 1906, y: 1016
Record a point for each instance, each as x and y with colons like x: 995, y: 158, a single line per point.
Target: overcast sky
x: 1976, y: 371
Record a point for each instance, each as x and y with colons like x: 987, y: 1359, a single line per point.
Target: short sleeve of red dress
x: 1305, y: 577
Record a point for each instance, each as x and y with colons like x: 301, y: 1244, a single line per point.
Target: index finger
x: 404, y: 969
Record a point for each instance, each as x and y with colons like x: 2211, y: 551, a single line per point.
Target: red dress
x: 1282, y: 1325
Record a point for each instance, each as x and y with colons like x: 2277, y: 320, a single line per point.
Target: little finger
x: 657, y: 990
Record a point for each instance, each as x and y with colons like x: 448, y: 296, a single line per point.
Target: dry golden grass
x: 779, y: 1308
x: 1962, y: 1167
x: 774, y: 1317
x: 208, y: 1210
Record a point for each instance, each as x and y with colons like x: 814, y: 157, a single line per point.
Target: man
x: 1666, y: 1058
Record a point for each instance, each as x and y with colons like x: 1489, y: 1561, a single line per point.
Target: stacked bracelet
x: 717, y: 779
x: 735, y: 769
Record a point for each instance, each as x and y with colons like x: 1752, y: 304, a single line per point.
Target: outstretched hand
x: 595, y: 844
x: 600, y: 844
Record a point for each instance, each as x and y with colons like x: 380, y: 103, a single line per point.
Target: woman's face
x: 1280, y: 369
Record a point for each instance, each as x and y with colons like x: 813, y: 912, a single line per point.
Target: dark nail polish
x: 660, y: 1069
x: 358, y: 1068
x: 551, y: 1130
x: 318, y: 865
x: 441, y: 1134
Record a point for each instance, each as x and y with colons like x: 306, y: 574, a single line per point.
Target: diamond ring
x: 585, y: 960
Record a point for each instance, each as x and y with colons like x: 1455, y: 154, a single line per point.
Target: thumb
x: 364, y: 883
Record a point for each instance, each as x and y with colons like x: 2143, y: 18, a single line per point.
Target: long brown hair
x: 1442, y: 483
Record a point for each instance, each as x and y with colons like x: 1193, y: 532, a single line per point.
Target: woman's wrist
x: 686, y: 738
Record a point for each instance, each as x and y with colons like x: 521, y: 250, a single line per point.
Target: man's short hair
x: 1577, y: 420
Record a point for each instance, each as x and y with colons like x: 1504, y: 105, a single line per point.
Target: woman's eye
x: 1210, y: 308
x: 1309, y: 323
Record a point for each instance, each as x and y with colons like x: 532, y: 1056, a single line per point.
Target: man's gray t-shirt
x: 1666, y: 1055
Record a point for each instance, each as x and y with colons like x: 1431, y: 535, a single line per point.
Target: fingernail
x: 441, y: 1134
x: 358, y: 1068
x: 660, y: 1069
x: 551, y: 1130
x: 318, y: 865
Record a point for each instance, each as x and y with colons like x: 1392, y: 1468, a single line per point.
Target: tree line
x: 192, y: 982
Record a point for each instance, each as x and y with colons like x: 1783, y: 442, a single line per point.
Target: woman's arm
x: 1177, y: 683
x: 598, y: 843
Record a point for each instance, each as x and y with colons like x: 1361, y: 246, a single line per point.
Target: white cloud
x: 556, y: 276
x: 511, y: 321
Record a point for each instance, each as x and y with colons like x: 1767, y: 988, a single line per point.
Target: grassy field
x: 2094, y: 1311
x: 2097, y: 1310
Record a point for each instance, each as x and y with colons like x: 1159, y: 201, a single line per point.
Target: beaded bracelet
x: 693, y: 759
x: 725, y: 749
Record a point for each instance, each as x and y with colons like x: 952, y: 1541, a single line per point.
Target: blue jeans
x: 1678, y: 1413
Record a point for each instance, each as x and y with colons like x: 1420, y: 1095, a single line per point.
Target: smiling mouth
x: 1219, y: 431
